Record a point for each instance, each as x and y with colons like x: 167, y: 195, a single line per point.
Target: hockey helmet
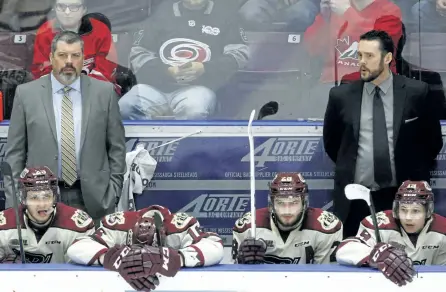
x: 288, y: 185
x: 414, y: 192
x: 37, y: 179
x: 145, y: 231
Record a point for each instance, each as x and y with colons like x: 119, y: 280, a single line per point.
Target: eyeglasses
x: 71, y: 7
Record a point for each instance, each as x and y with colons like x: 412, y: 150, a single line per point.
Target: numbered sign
x: 19, y: 39
x: 294, y: 38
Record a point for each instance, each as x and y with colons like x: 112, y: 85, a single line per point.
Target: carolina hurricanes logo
x: 179, y: 51
x: 347, y: 50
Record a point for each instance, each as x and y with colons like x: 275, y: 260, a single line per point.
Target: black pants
x: 382, y: 199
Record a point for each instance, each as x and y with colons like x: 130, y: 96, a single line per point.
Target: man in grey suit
x: 70, y: 123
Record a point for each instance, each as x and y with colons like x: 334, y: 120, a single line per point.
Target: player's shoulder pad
x: 178, y: 222
x: 384, y: 219
x: 320, y: 220
x: 438, y: 224
x: 122, y: 221
x: 72, y: 219
x: 244, y: 223
x: 7, y: 219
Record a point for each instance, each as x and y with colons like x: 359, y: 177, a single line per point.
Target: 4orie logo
x: 284, y: 150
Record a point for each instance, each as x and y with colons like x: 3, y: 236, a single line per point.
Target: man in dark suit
x: 71, y: 123
x: 379, y: 131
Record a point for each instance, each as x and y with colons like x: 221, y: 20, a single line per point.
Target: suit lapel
x: 47, y: 99
x: 356, y: 101
x: 86, y: 105
x: 399, y: 100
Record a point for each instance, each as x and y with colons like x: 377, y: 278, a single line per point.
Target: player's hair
x: 386, y: 44
x: 68, y: 37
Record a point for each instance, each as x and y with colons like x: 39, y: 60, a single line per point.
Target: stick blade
x: 357, y: 192
x: 268, y: 109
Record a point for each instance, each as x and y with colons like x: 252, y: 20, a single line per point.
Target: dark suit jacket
x: 416, y: 130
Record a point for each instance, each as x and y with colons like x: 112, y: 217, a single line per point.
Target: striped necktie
x: 68, y: 148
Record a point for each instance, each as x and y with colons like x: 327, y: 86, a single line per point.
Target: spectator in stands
x: 100, y: 58
x: 297, y: 14
x: 70, y: 123
x: 334, y: 37
x: 24, y: 15
x: 379, y: 131
x: 429, y: 15
x: 187, y: 50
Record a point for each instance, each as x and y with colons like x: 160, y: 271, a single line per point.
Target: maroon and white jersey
x: 313, y: 243
x: 430, y: 247
x: 183, y: 233
x: 68, y: 225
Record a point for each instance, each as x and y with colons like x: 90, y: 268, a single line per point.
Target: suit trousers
x: 382, y: 199
x: 72, y: 196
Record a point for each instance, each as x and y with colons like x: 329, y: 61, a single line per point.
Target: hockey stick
x: 7, y: 171
x: 252, y: 175
x: 268, y: 109
x: 176, y: 140
x: 159, y: 229
x: 359, y: 192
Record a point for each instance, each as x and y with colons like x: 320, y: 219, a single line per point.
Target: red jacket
x: 338, y: 40
x: 100, y: 56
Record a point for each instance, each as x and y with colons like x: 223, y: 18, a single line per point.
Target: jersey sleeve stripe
x: 200, y: 255
x: 96, y: 256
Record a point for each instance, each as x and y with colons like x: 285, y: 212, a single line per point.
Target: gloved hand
x: 144, y: 284
x: 145, y: 260
x: 113, y: 257
x: 251, y: 251
x: 393, y: 263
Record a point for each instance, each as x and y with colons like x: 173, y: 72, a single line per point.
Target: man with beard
x: 71, y: 123
x: 379, y: 131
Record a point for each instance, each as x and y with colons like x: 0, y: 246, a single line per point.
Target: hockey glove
x: 144, y: 260
x: 251, y: 251
x: 144, y: 284
x: 113, y: 257
x: 393, y: 263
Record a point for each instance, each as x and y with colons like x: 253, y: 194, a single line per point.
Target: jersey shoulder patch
x: 72, y: 218
x: 7, y: 219
x: 122, y: 221
x: 244, y: 223
x: 320, y: 220
x: 178, y: 222
x: 384, y: 219
x: 438, y: 224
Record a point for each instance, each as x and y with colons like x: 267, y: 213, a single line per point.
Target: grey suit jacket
x: 32, y: 140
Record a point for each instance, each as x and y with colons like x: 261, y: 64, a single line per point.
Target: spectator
x: 379, y: 131
x: 334, y: 36
x: 24, y: 15
x: 429, y: 16
x: 71, y: 123
x: 187, y: 50
x: 100, y: 59
x: 297, y: 14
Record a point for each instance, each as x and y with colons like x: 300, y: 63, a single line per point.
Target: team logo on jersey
x: 179, y: 51
x: 347, y: 52
x: 81, y: 219
x: 34, y: 258
x: 207, y: 29
x: 381, y: 219
x: 2, y: 218
x: 328, y: 220
x: 246, y: 219
x: 115, y: 218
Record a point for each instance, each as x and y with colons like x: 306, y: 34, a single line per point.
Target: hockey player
x: 288, y: 231
x: 130, y: 243
x: 411, y: 233
x: 48, y: 227
x: 187, y: 50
